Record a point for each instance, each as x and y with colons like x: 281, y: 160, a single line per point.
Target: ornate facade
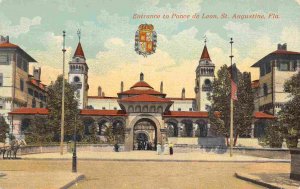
x: 141, y: 113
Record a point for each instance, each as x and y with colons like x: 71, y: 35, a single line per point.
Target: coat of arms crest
x: 145, y: 40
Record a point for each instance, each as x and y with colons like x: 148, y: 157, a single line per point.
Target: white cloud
x: 6, y: 28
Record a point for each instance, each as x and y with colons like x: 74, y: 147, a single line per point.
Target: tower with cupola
x: 78, y: 75
x: 203, y: 82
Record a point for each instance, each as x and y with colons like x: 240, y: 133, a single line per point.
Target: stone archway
x: 129, y: 130
x: 144, y: 135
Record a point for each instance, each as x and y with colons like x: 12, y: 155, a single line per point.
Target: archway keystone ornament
x: 145, y: 40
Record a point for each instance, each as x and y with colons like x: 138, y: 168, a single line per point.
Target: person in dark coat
x: 171, y: 148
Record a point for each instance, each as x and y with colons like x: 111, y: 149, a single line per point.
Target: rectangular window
x: 1, y: 79
x: 191, y: 109
x: 4, y: 59
x: 284, y: 66
x: 30, y: 91
x: 268, y: 67
x: 103, y: 108
x: 1, y: 104
x: 25, y: 65
x: 21, y: 84
x: 115, y: 108
x: 19, y: 62
x: 262, y: 70
x: 179, y: 109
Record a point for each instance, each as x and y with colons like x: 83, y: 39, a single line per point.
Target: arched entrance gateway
x: 144, y: 135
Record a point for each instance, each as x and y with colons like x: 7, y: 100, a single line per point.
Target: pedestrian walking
x: 158, y: 149
x: 171, y: 148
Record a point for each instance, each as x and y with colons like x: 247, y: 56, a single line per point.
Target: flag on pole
x: 234, y: 81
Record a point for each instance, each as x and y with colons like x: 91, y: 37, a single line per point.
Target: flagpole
x: 62, y: 124
x: 231, y: 101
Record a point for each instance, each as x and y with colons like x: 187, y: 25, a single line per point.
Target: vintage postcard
x: 149, y: 94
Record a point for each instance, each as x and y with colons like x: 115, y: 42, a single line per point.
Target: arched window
x: 76, y: 79
x: 138, y: 108
x: 265, y: 88
x: 207, y: 82
x: 145, y: 108
x: 130, y: 109
x: 159, y: 109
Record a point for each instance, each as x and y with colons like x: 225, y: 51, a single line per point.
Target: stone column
x: 194, y: 129
x: 164, y: 138
x: 179, y: 126
x: 295, y: 164
x: 128, y: 143
x: 252, y: 130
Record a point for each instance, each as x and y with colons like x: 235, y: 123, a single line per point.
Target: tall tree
x: 71, y: 109
x: 243, y: 107
x: 38, y: 131
x: 219, y: 114
x: 289, y: 116
x: 4, y: 128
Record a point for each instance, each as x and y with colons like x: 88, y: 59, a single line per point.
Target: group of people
x: 165, y: 149
x: 144, y: 145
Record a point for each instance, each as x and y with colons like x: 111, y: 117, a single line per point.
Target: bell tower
x: 203, y: 82
x: 78, y: 75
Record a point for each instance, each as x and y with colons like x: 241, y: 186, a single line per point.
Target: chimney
x: 37, y: 73
x: 99, y: 91
x: 103, y: 94
x: 161, y: 87
x: 122, y: 86
x: 282, y: 47
x: 141, y: 76
x: 4, y: 39
x: 183, y: 93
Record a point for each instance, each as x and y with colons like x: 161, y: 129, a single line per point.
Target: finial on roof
x: 79, y: 34
x: 205, y: 40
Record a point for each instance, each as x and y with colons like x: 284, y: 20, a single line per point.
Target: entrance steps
x: 214, y: 141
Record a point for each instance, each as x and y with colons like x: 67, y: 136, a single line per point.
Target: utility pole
x: 231, y: 100
x: 62, y: 125
x: 74, y: 159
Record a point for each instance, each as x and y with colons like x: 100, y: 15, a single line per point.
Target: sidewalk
x: 152, y: 156
x: 270, y: 180
x: 39, y: 180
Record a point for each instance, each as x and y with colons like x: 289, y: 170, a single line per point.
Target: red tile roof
x: 30, y: 111
x: 37, y: 84
x: 102, y: 112
x: 79, y: 51
x: 277, y: 55
x: 262, y: 115
x: 144, y: 98
x: 176, y: 98
x: 284, y: 52
x: 205, y: 54
x: 103, y: 97
x: 255, y: 84
x: 186, y: 114
x: 8, y: 45
x: 138, y: 92
x: 141, y: 84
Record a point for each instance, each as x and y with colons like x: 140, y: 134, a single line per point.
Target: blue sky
x: 108, y: 37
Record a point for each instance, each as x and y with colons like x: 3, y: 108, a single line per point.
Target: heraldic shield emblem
x: 145, y: 40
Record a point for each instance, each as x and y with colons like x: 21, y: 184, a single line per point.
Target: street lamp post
x: 231, y: 101
x: 74, y: 159
x: 62, y: 124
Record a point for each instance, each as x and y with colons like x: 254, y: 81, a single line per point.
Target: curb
x: 257, y: 181
x: 164, y: 160
x: 71, y: 183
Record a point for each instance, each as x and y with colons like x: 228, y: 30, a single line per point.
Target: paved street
x: 132, y: 174
x: 152, y: 156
